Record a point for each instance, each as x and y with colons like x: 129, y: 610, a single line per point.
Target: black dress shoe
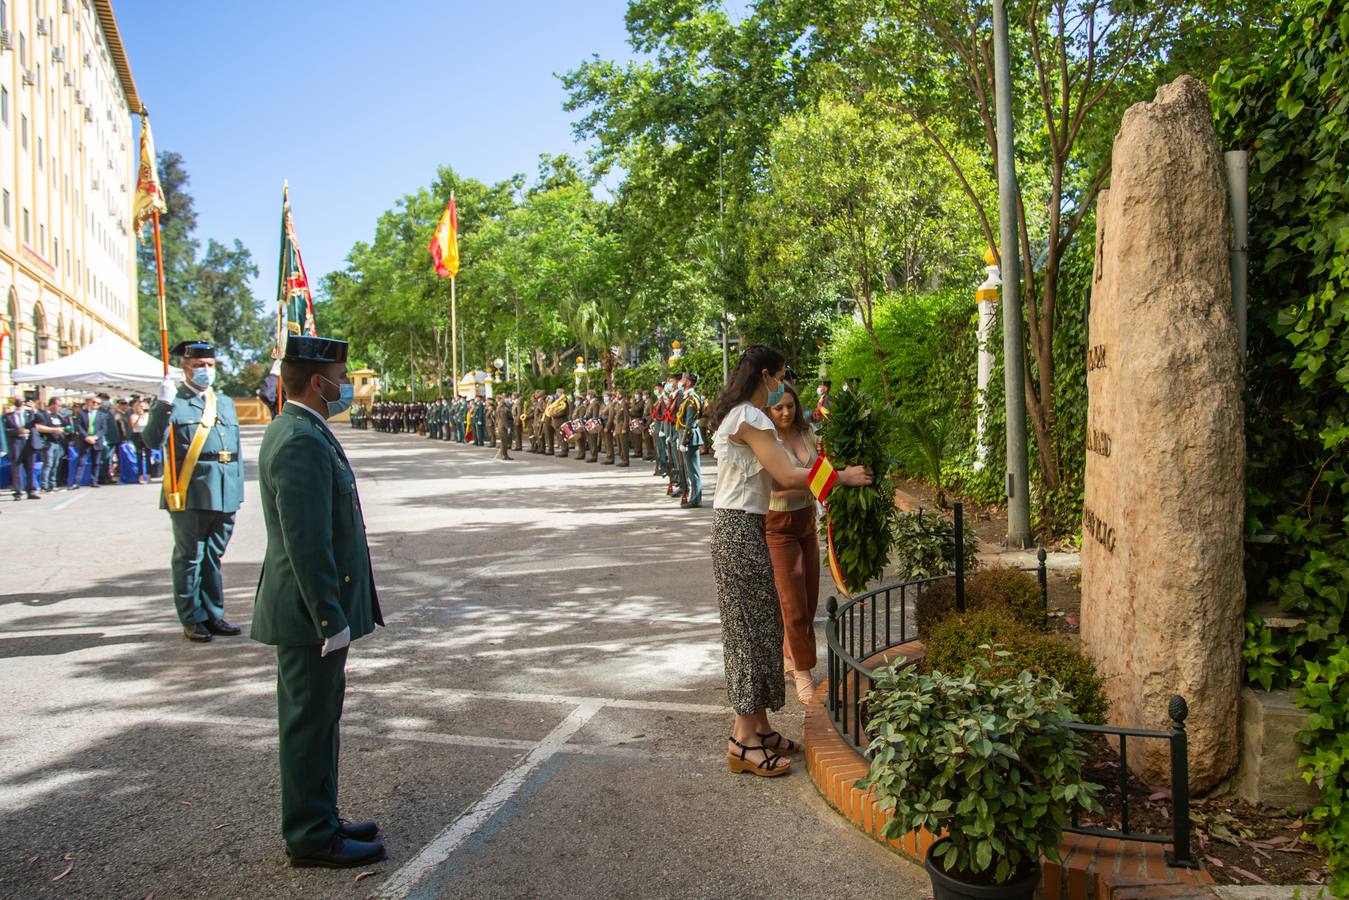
x: 221, y: 627
x: 341, y: 853
x: 196, y: 632
x: 357, y: 831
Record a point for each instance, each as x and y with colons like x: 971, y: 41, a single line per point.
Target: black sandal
x: 791, y: 745
x: 773, y: 765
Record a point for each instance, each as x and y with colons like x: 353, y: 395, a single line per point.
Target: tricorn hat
x: 309, y: 348
x: 193, y: 350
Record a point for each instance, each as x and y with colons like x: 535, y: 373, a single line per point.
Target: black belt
x: 222, y: 456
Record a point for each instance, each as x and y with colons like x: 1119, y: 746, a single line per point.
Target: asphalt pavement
x: 544, y: 715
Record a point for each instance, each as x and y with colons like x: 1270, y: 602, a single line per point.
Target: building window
x: 41, y: 235
x: 23, y: 49
x: 39, y: 153
x: 4, y: 105
x: 5, y: 198
x: 23, y: 130
x: 27, y: 239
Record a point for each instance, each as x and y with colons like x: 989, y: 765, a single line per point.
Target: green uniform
x: 202, y: 530
x: 316, y: 581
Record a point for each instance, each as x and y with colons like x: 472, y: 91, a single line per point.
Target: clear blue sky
x: 356, y: 103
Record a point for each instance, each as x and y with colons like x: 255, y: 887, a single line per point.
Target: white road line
x: 69, y: 499
x: 521, y: 697
x: 407, y: 878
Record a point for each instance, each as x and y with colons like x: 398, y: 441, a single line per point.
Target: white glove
x: 683, y: 448
x: 168, y: 390
x: 337, y: 641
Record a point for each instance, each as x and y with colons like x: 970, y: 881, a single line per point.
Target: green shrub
x: 954, y: 642
x: 960, y: 640
x: 1018, y: 590
x: 1013, y: 589
x: 990, y: 761
x: 924, y: 545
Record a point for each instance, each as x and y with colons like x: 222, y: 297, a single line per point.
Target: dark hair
x: 799, y: 423
x: 744, y: 379
x: 691, y: 376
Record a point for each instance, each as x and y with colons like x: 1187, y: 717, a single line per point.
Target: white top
x: 742, y: 481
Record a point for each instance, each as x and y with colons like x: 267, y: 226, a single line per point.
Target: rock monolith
x: 1162, y: 584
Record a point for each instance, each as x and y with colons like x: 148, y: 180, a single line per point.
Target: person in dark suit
x: 316, y: 595
x: 91, y: 439
x: 25, y: 445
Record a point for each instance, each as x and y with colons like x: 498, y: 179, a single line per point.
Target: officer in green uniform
x: 208, y: 491
x: 315, y: 596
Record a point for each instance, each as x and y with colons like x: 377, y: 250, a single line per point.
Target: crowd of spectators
x: 67, y: 444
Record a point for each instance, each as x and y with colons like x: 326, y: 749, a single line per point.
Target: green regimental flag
x: 294, y: 302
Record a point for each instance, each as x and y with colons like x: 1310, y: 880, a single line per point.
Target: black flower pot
x: 945, y: 887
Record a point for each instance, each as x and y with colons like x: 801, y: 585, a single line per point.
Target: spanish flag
x: 445, y: 243
x: 149, y: 197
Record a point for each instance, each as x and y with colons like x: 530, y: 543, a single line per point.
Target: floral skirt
x: 751, y: 619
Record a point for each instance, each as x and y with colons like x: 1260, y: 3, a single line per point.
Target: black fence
x: 879, y: 622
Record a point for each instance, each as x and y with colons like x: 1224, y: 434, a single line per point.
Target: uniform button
x: 346, y: 578
x: 323, y: 623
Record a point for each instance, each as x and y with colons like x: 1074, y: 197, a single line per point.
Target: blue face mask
x: 203, y: 376
x: 345, y: 394
x: 775, y: 395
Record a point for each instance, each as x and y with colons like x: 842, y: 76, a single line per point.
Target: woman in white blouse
x: 750, y: 458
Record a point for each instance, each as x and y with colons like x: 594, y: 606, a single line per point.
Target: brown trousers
x: 794, y: 545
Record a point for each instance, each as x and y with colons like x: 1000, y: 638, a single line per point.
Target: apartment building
x: 67, y: 177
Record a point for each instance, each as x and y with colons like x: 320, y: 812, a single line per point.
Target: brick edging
x: 1091, y: 868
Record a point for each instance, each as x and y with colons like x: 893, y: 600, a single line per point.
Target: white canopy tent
x: 110, y: 363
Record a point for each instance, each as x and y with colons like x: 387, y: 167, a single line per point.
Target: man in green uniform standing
x: 315, y: 596
x: 208, y: 491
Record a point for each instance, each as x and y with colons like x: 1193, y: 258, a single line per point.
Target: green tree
x: 860, y: 203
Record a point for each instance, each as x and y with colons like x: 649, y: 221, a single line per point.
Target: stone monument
x: 1162, y: 525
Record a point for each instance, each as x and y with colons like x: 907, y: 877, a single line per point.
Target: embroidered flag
x: 444, y: 245
x: 149, y: 198
x: 295, y: 301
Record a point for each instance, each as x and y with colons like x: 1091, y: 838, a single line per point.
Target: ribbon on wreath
x: 822, y: 480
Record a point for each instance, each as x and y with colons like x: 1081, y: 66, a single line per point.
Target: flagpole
x: 454, y: 336
x: 171, y: 461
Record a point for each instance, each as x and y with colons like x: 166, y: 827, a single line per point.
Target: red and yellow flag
x: 149, y: 197
x: 445, y: 243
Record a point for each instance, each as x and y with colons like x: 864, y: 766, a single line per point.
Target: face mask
x: 345, y: 393
x: 820, y: 392
x: 203, y: 376
x: 775, y: 395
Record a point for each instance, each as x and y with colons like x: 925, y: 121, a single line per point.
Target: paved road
x: 543, y: 717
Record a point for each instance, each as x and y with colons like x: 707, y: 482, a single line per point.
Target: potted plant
x: 990, y: 763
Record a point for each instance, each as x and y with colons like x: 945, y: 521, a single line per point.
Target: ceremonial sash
x: 175, y: 496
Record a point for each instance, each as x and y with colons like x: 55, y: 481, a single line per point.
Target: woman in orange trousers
x: 794, y: 545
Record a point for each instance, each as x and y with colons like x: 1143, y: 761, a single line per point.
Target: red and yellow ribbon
x: 823, y: 478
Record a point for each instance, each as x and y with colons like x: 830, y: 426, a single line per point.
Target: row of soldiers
x: 481, y: 421
x: 665, y: 426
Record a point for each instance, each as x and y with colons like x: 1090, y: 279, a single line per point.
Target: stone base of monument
x: 1268, y: 773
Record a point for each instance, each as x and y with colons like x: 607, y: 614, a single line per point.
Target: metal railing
x: 880, y: 622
